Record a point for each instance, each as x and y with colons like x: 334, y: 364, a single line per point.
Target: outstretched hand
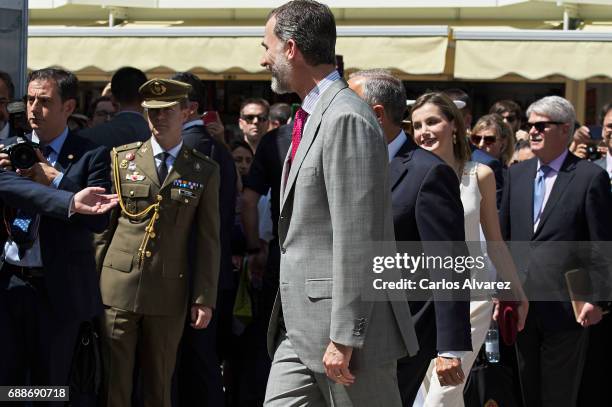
x: 93, y: 201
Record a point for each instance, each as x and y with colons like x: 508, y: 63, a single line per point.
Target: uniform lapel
x: 310, y: 133
x: 564, y: 177
x: 146, y: 162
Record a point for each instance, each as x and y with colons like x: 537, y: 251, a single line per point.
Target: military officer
x: 165, y: 189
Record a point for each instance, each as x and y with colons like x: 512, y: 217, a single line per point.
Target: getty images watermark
x: 406, y: 263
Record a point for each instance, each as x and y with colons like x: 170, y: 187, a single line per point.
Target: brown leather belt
x: 26, y: 273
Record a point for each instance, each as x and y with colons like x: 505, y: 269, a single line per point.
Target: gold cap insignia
x: 158, y: 89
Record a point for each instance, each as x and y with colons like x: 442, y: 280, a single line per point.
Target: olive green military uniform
x: 147, y: 280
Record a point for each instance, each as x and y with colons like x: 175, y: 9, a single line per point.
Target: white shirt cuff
x: 459, y: 354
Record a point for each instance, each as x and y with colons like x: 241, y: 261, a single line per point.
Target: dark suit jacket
x: 498, y: 169
x: 124, y: 128
x: 66, y: 245
x: 573, y: 213
x: 267, y: 168
x: 427, y: 207
x: 20, y: 192
x: 197, y: 137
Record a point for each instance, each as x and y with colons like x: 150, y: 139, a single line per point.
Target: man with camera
x: 48, y: 280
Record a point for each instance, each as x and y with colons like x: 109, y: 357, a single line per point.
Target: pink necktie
x: 298, y: 126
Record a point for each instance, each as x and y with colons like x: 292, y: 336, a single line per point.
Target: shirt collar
x: 557, y: 162
x: 310, y: 101
x: 4, y: 133
x: 396, y: 144
x: 197, y: 122
x: 57, y: 143
x: 158, y: 149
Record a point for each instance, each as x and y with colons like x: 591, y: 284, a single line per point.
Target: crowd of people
x: 151, y: 257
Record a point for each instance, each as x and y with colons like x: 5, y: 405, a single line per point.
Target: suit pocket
x: 118, y: 260
x: 319, y: 288
x: 307, y: 175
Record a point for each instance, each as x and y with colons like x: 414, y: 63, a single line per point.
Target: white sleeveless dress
x: 480, y: 311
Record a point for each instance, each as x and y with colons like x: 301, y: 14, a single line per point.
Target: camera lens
x: 23, y: 156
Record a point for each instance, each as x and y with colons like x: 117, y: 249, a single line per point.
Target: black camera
x: 22, y: 153
x: 593, y: 153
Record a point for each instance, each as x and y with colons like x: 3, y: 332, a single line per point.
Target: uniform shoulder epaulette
x: 202, y: 156
x: 130, y: 146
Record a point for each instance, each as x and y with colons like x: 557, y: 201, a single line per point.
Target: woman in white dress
x: 438, y: 127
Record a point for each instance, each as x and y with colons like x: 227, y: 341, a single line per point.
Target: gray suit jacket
x: 334, y: 204
x: 124, y: 128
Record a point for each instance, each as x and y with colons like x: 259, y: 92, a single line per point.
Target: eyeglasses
x: 249, y: 118
x: 488, y: 139
x: 541, y: 126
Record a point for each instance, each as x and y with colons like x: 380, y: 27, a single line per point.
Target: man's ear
x: 193, y: 107
x: 379, y: 111
x: 69, y: 106
x: 290, y: 49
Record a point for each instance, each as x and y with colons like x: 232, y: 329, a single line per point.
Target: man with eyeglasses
x: 253, y: 120
x: 7, y: 90
x: 102, y: 111
x: 555, y: 197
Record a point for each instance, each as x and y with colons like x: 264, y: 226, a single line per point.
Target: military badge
x: 134, y: 177
x: 158, y: 89
x: 124, y: 164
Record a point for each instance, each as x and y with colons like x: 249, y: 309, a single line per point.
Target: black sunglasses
x: 541, y: 126
x: 249, y: 118
x: 488, y: 140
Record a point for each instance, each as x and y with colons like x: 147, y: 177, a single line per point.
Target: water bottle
x: 492, y: 343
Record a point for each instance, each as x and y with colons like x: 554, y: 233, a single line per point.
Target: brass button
x: 156, y: 216
x: 148, y: 253
x: 186, y: 200
x: 180, y: 275
x: 160, y: 198
x: 139, y: 144
x: 131, y: 193
x: 152, y: 235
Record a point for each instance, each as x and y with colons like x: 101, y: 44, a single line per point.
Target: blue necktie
x: 23, y: 227
x: 539, y: 190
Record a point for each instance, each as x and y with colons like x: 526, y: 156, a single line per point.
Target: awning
x: 408, y: 50
x: 532, y: 54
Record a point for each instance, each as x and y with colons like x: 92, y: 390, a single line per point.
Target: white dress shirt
x: 171, y: 158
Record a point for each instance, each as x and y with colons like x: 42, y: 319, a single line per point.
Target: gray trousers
x: 291, y: 383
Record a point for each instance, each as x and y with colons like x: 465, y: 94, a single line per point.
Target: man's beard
x: 280, y: 76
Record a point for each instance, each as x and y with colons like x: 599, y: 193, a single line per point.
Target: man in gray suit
x: 128, y: 125
x: 330, y: 345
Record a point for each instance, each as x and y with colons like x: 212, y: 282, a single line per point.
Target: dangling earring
x: 454, y: 138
